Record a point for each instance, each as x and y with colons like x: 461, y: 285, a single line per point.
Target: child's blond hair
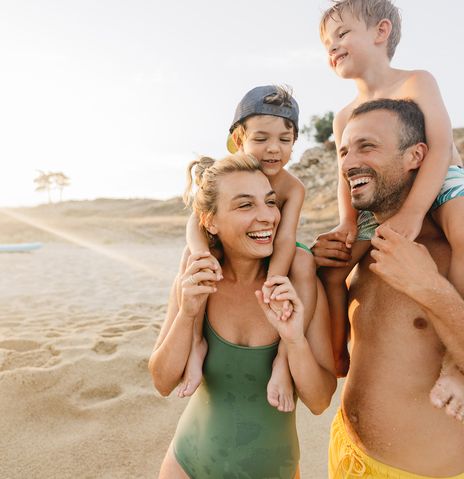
x: 371, y: 12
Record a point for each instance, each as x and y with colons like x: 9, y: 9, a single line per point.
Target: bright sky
x: 121, y: 95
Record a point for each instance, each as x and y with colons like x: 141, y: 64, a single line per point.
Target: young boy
x: 361, y: 37
x: 265, y: 126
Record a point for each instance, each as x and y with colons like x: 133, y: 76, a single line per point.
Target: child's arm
x: 423, y: 89
x: 285, y: 240
x: 196, y: 240
x: 348, y: 215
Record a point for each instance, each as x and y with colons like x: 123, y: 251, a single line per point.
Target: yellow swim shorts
x: 347, y: 461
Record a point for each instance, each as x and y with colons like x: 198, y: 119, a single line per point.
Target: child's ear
x: 236, y: 138
x: 384, y: 28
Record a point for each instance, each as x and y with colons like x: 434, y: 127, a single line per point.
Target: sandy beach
x: 78, y: 320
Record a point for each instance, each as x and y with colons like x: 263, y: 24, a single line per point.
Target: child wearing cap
x: 360, y: 37
x: 265, y: 126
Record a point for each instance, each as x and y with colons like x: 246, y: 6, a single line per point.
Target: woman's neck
x: 243, y: 270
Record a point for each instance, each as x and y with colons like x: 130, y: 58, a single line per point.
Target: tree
x: 46, y: 181
x: 61, y: 181
x: 320, y: 127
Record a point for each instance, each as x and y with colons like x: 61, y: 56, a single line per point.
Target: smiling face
x: 349, y: 44
x: 247, y: 215
x: 378, y: 173
x: 269, y: 140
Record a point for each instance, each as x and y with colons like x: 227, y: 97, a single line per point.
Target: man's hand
x: 405, y: 265
x: 330, y: 249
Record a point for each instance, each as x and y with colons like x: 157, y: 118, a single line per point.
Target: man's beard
x: 388, y: 195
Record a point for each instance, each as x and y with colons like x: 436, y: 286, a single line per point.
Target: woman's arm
x: 311, y: 365
x: 169, y: 357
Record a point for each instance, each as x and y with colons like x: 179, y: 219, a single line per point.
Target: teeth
x: 359, y: 181
x: 260, y: 234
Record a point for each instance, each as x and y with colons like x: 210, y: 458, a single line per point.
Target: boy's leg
x: 194, y: 369
x: 449, y: 389
x: 280, y: 393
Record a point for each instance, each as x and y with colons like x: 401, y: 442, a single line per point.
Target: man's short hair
x: 371, y: 12
x: 409, y: 114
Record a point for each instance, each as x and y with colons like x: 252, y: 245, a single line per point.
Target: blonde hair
x: 207, y: 172
x: 371, y: 12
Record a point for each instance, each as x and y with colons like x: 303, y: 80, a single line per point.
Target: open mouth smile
x: 264, y: 236
x: 358, y: 183
x: 338, y: 59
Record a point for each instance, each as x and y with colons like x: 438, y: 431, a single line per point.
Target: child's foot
x: 193, y: 373
x: 448, y: 391
x: 280, y: 389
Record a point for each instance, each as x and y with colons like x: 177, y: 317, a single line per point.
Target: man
x: 404, y: 314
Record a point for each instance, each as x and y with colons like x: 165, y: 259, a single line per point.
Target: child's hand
x: 405, y: 224
x: 282, y: 308
x: 292, y: 328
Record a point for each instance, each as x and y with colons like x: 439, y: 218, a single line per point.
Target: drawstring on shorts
x: 350, y: 465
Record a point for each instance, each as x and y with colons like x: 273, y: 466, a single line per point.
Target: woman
x: 228, y: 428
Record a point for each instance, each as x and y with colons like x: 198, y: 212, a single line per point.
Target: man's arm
x: 408, y: 267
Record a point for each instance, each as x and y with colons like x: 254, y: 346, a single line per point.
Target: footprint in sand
x: 115, y: 331
x: 101, y: 393
x: 19, y: 345
x: 105, y: 347
x: 25, y: 354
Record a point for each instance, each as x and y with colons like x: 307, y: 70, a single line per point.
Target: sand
x: 78, y: 320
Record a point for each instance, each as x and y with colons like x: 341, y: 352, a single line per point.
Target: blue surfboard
x: 19, y: 247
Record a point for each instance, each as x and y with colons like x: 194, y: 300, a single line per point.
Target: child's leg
x: 194, y: 369
x: 280, y: 385
x: 449, y: 388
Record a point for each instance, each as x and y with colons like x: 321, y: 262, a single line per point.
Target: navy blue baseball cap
x: 258, y: 102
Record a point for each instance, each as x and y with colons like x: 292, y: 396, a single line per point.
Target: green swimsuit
x: 228, y: 429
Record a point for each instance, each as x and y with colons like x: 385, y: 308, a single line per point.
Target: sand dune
x: 78, y: 320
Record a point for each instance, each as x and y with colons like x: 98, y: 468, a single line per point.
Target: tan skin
x: 246, y: 204
x: 358, y: 52
x: 270, y: 140
x: 399, y: 328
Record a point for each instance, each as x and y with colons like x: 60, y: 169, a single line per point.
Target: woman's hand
x: 289, y: 322
x: 198, y: 281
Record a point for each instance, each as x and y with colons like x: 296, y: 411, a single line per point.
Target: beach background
x: 120, y: 96
x: 78, y: 320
